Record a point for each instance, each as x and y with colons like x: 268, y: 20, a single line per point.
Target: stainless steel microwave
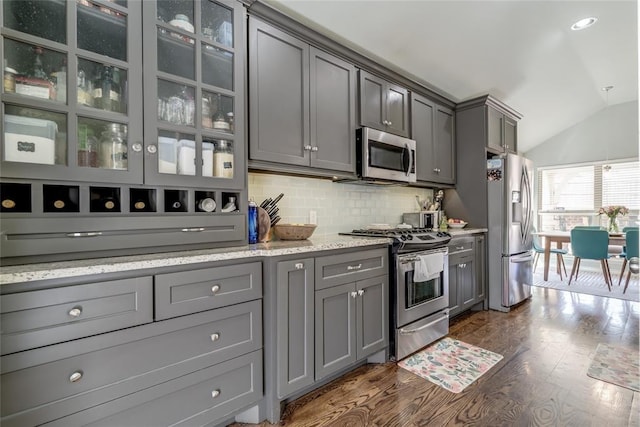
x: 384, y: 156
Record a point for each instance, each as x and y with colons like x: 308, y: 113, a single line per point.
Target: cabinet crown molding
x: 492, y: 102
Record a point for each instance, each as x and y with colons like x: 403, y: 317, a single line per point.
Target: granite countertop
x: 66, y: 269
x: 465, y: 231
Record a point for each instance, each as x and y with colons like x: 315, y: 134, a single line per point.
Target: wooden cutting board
x: 264, y: 225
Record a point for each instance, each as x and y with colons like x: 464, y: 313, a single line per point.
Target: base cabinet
x: 351, y: 323
x: 466, y: 273
x: 331, y: 312
x: 109, y: 360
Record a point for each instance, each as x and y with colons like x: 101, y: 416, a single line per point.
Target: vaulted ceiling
x: 522, y: 52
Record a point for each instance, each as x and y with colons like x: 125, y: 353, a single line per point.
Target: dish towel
x: 428, y: 267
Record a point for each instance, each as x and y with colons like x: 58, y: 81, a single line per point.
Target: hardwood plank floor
x: 547, y: 343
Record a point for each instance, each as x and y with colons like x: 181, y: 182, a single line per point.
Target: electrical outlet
x: 313, y: 217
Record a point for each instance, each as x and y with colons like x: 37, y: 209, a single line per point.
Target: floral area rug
x: 450, y: 363
x: 616, y: 365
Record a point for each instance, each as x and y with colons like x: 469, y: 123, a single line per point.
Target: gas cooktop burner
x: 408, y: 236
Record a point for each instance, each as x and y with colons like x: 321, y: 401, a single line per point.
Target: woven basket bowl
x: 294, y: 231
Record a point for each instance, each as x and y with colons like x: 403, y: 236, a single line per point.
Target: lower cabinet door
x: 335, y: 328
x: 200, y: 398
x: 372, y: 316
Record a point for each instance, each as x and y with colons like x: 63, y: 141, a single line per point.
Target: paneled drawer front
x: 37, y: 318
x: 461, y: 244
x: 338, y: 269
x: 200, y: 398
x: 74, y: 383
x: 188, y: 292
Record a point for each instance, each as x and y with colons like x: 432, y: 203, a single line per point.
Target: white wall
x: 339, y: 207
x: 610, y: 134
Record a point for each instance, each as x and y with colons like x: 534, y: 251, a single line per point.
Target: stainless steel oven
x: 421, y: 307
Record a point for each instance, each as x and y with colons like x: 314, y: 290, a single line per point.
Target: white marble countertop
x: 66, y: 269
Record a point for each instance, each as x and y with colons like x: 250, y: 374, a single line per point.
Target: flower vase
x: 613, y: 225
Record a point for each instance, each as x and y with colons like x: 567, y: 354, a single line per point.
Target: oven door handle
x: 413, y: 331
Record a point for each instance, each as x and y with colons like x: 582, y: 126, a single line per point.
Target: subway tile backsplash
x: 339, y: 207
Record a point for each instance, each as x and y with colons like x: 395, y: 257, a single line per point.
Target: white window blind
x: 621, y: 185
x: 570, y: 188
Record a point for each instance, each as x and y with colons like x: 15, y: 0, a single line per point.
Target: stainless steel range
x: 419, y: 303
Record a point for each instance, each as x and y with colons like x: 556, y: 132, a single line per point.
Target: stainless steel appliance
x: 510, y: 217
x: 382, y: 156
x: 419, y: 309
x: 423, y: 219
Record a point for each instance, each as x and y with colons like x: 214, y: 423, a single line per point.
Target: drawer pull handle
x: 215, y: 289
x: 85, y: 234
x: 459, y: 248
x: 361, y: 292
x: 354, y: 267
x: 76, y: 376
x: 75, y: 311
x: 354, y: 294
x: 193, y: 230
x: 299, y: 265
x: 215, y: 336
x: 215, y: 393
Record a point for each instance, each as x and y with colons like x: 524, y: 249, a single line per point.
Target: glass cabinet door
x: 193, y: 114
x: 72, y: 90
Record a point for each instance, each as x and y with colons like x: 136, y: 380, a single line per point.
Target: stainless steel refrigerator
x: 510, y: 218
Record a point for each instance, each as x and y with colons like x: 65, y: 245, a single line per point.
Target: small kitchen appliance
x: 418, y: 306
x: 423, y: 219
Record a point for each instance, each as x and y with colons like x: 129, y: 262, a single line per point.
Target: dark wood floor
x: 547, y: 344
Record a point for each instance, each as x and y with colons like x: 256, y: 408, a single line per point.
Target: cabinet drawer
x: 38, y: 318
x: 338, y: 269
x: 43, y: 392
x: 200, y: 398
x: 461, y: 245
x: 198, y: 290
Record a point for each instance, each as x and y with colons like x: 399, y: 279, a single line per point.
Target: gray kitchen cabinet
x: 78, y: 149
x: 466, y: 273
x: 502, y: 131
x: 295, y: 293
x: 351, y: 323
x: 303, y: 103
x: 432, y: 127
x: 204, y: 364
x: 383, y: 105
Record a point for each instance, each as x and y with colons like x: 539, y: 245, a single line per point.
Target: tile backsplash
x: 339, y: 207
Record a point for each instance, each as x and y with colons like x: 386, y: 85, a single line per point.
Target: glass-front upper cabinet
x: 72, y: 90
x: 194, y: 119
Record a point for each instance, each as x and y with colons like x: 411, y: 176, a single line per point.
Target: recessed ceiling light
x: 584, y: 23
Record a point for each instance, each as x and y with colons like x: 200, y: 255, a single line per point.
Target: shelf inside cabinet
x: 102, y: 31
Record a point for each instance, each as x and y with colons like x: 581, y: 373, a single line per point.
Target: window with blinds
x: 571, y: 195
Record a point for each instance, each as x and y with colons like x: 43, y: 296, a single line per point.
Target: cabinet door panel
x: 494, y: 129
x: 372, y: 315
x: 398, y: 110
x: 422, y: 131
x: 335, y: 329
x: 454, y: 306
x: 279, y: 86
x: 295, y: 294
x: 511, y: 135
x: 445, y: 145
x: 372, y: 101
x: 466, y: 282
x: 333, y: 122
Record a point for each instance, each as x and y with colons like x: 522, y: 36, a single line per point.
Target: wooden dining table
x: 560, y: 237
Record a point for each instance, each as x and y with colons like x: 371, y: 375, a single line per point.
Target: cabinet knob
x: 360, y: 292
x: 75, y: 377
x: 436, y: 170
x: 215, y: 289
x: 215, y: 336
x: 299, y: 265
x: 354, y: 267
x: 389, y: 123
x: 354, y: 294
x: 75, y: 311
x: 215, y: 393
x: 314, y: 148
x: 307, y: 148
x: 384, y: 122
x: 152, y: 149
x: 137, y: 147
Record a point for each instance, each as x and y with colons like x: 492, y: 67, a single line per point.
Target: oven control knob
x: 409, y: 237
x: 403, y: 237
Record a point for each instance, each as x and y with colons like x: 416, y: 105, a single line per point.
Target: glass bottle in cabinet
x: 113, y: 147
x: 87, y: 146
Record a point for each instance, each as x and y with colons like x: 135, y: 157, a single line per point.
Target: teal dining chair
x: 630, y: 251
x: 539, y: 249
x: 590, y: 244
